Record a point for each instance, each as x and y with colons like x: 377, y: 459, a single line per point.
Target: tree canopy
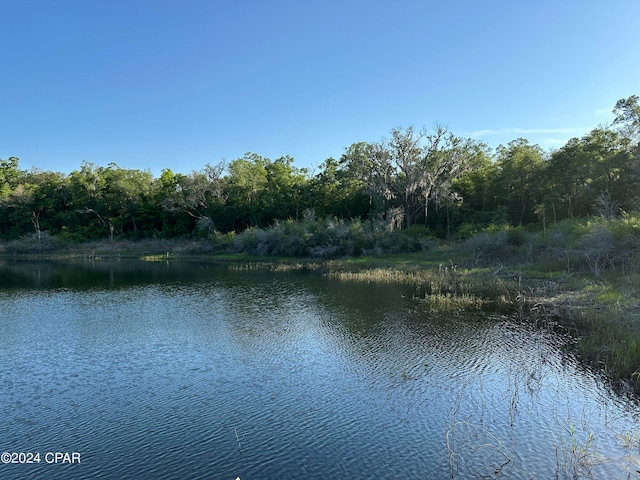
x: 414, y: 177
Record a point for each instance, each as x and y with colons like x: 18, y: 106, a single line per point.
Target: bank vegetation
x: 550, y: 235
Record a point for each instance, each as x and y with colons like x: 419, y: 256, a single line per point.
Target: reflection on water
x: 189, y: 371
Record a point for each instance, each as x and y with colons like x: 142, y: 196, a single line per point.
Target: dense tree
x: 517, y: 182
x: 284, y: 190
x: 126, y: 194
x: 567, y: 176
x: 9, y: 175
x: 50, y: 197
x: 591, y: 175
x: 89, y: 216
x: 627, y: 121
x: 195, y: 194
x: 475, y: 187
x: 245, y: 184
x: 21, y: 208
x: 341, y: 188
x: 627, y: 112
x: 413, y: 177
x: 415, y: 169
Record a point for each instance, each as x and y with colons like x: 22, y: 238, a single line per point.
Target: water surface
x: 186, y: 370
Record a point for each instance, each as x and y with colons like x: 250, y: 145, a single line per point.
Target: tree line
x: 452, y: 185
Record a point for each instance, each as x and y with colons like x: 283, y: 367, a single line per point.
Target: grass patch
x: 583, y: 276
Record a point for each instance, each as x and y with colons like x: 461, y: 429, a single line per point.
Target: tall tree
x: 283, y: 189
x: 475, y: 187
x: 592, y: 170
x: 627, y: 120
x: 127, y: 190
x: 627, y: 112
x: 341, y: 188
x: 567, y: 176
x: 9, y: 175
x: 50, y: 198
x: 90, y: 213
x: 246, y: 182
x: 519, y: 170
x: 195, y: 194
x: 414, y: 169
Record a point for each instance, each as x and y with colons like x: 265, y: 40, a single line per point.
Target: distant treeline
x: 455, y: 186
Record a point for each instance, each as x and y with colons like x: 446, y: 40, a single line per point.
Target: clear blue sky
x: 153, y: 84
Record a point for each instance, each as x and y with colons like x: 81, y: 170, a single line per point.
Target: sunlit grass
x: 539, y: 277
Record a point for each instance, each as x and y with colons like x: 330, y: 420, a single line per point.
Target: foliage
x: 325, y: 238
x: 452, y: 186
x: 412, y: 169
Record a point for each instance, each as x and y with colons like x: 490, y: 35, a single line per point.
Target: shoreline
x: 601, y: 314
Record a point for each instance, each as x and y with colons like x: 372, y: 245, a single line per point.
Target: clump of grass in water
x: 275, y: 266
x: 631, y: 442
x: 602, y: 317
x: 445, y: 302
x: 574, y: 459
x: 380, y: 275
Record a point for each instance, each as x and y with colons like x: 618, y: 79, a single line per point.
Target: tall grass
x: 583, y: 275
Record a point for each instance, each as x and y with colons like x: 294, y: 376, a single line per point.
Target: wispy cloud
x: 483, y: 133
x: 603, y: 111
x: 554, y: 141
x: 511, y: 131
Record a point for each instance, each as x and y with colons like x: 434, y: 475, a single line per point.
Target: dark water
x: 187, y: 371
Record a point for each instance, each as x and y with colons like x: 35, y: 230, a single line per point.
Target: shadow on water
x: 88, y: 274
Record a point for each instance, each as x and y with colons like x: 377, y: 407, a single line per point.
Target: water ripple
x: 276, y: 376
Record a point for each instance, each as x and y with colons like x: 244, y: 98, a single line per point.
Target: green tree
x: 88, y: 219
x: 592, y: 174
x: 50, y: 199
x: 283, y: 190
x: 568, y: 176
x: 20, y: 206
x: 611, y: 161
x: 627, y: 121
x: 245, y: 184
x: 519, y: 170
x: 9, y: 175
x: 415, y: 169
x: 341, y: 188
x: 125, y: 194
x: 627, y: 112
x: 475, y: 187
x: 196, y: 194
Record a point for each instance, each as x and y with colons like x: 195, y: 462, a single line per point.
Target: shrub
x: 598, y: 249
x: 33, y: 244
x: 328, y: 238
x: 516, y: 236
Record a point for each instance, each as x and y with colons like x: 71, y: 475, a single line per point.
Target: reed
x: 237, y: 438
x: 575, y: 458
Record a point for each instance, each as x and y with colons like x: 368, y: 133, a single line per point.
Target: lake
x: 187, y: 370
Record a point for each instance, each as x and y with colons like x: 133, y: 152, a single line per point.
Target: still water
x: 191, y: 371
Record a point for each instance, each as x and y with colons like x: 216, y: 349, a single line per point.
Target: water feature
x: 192, y: 371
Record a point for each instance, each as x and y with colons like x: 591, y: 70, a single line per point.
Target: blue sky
x: 153, y: 84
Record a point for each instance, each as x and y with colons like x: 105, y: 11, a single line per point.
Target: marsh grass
x: 150, y: 249
x: 281, y: 266
x: 477, y: 449
x: 579, y: 276
x: 575, y: 457
x: 602, y: 314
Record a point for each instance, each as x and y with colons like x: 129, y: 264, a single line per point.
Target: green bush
x: 328, y: 238
x: 33, y: 244
x: 516, y: 236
